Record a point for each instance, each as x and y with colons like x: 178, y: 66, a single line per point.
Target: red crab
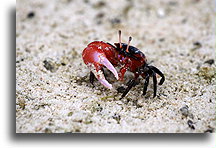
x: 99, y: 54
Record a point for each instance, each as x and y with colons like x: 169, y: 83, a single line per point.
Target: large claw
x: 95, y: 60
x: 108, y: 65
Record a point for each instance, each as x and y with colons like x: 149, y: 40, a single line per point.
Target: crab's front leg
x: 122, y: 72
x: 127, y: 65
x: 95, y: 59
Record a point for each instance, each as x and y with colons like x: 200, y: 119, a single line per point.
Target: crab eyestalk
x: 130, y: 38
x: 120, y: 45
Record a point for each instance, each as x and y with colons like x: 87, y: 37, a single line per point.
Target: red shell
x: 114, y: 56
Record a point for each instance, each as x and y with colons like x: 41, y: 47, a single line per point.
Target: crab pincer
x: 95, y: 58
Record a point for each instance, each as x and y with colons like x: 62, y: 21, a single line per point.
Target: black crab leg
x: 154, y: 83
x: 146, y: 83
x: 159, y: 73
x: 92, y: 78
x: 130, y: 84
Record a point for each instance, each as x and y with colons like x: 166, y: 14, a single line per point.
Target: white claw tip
x: 105, y: 83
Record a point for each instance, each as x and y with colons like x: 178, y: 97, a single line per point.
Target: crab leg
x: 146, y: 83
x: 92, y: 78
x: 154, y: 83
x: 159, y: 73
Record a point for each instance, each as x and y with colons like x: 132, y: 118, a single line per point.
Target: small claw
x: 105, y: 83
x: 98, y: 73
x: 109, y: 66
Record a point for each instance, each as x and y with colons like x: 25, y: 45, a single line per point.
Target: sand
x: 53, y: 92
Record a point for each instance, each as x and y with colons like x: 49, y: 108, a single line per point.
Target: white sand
x: 58, y: 97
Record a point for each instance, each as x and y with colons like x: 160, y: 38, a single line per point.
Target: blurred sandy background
x: 53, y: 93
